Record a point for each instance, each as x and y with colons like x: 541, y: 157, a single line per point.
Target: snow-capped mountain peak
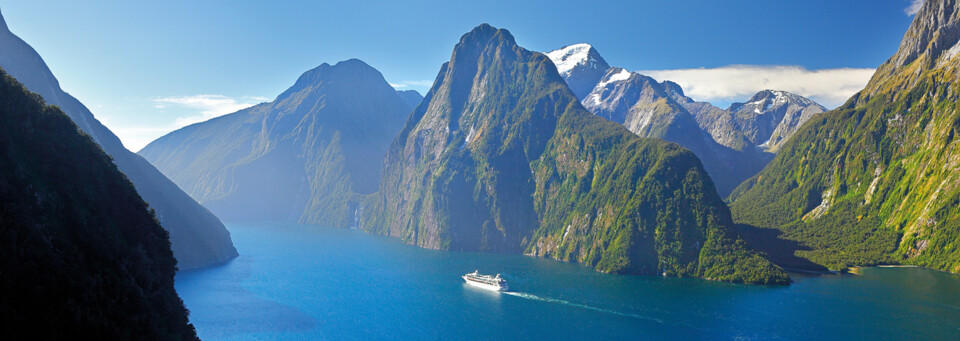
x: 577, y: 55
x: 581, y: 67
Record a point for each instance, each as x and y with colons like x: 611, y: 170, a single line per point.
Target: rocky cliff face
x: 876, y: 181
x: 307, y: 156
x: 500, y: 156
x: 199, y: 238
x: 81, y: 254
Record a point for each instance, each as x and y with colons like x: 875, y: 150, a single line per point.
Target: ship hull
x: 484, y: 285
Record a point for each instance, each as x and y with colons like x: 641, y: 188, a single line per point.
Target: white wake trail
x: 578, y: 305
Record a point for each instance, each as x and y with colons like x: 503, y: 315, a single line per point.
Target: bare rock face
x: 932, y: 39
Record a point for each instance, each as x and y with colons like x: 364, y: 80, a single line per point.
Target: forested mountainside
x: 876, y: 181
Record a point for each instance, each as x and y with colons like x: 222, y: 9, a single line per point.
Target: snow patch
x: 622, y: 75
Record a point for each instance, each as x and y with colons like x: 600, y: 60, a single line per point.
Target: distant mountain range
x: 500, y: 156
x: 660, y: 110
x: 876, y: 181
x: 307, y: 156
x: 82, y: 254
x: 199, y: 238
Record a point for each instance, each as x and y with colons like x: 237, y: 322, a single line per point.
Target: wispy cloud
x: 207, y: 106
x: 173, y: 113
x: 415, y: 84
x: 913, y: 8
x: 830, y: 87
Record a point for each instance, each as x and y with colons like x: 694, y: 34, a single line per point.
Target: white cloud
x: 830, y: 87
x: 421, y: 84
x: 209, y: 106
x: 913, y: 8
x: 135, y: 137
x: 172, y: 113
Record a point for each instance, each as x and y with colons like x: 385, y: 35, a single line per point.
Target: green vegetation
x: 501, y: 157
x: 876, y: 181
x: 82, y: 256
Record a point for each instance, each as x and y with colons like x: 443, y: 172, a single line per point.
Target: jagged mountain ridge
x: 307, y: 156
x: 199, y: 239
x: 501, y: 157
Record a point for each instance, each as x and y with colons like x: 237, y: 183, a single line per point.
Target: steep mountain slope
x: 647, y: 109
x: 581, y: 66
x: 199, y: 238
x: 500, y: 156
x: 81, y: 253
x: 877, y: 180
x: 305, y: 156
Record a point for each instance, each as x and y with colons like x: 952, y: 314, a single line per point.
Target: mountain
x: 199, y: 238
x: 660, y: 110
x: 876, y: 181
x: 581, y: 66
x: 82, y: 254
x: 411, y: 98
x: 770, y: 117
x: 646, y: 108
x: 501, y: 157
x: 717, y: 122
x: 307, y: 156
x: 766, y: 120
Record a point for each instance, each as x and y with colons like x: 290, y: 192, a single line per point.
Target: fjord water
x: 310, y: 282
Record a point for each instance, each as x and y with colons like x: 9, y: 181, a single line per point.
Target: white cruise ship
x: 494, y: 283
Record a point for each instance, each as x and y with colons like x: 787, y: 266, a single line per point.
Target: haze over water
x: 310, y: 282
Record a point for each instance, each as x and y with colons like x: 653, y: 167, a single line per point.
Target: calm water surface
x: 294, y: 282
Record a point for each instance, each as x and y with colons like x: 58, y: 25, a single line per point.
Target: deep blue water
x: 309, y: 282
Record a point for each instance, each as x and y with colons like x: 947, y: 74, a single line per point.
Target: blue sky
x: 146, y: 68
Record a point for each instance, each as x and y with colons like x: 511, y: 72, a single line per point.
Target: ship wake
x: 578, y: 305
